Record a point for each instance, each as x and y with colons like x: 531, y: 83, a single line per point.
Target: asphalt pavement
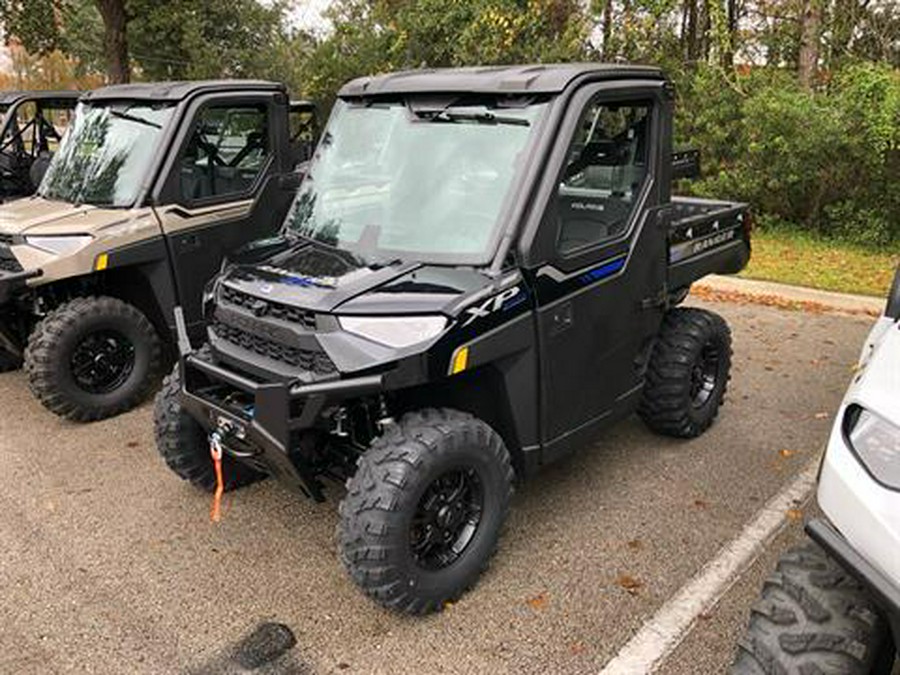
x: 109, y: 564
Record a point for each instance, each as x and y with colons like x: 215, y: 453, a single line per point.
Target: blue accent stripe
x: 606, y: 269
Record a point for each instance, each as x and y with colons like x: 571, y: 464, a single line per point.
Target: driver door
x: 227, y: 164
x: 595, y: 319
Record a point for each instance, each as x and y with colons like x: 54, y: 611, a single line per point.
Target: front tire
x: 184, y: 445
x: 688, y: 373
x: 813, y: 617
x: 93, y: 358
x: 423, y: 513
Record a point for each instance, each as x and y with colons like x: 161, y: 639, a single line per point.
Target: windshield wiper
x: 480, y: 118
x: 134, y: 118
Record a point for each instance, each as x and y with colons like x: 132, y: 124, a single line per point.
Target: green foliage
x: 825, y: 158
x: 194, y: 39
x: 32, y: 22
x: 826, y: 161
x: 372, y: 36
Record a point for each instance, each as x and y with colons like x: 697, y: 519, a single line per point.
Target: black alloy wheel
x: 446, y: 519
x: 102, y: 361
x: 705, y: 374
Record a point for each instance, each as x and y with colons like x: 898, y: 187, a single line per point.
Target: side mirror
x: 893, y: 302
x: 686, y: 164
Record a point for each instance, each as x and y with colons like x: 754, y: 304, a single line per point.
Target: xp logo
x: 490, y: 305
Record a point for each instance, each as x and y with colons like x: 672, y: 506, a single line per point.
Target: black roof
x: 10, y: 97
x: 176, y: 91
x: 530, y: 79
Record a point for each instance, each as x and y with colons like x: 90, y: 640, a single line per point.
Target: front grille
x: 8, y: 262
x: 315, y: 361
x: 268, y: 308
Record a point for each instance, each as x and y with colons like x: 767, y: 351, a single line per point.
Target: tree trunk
x: 810, y: 26
x: 705, y: 31
x: 607, y: 30
x: 731, y: 19
x: 115, y: 22
x: 693, y: 48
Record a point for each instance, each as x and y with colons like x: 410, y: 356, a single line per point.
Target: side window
x: 54, y: 121
x: 227, y: 151
x: 19, y: 136
x: 606, y: 166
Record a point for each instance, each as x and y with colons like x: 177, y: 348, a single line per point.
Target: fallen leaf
x: 635, y: 544
x: 629, y: 583
x: 794, y: 515
x: 132, y: 444
x: 785, y: 453
x: 700, y: 504
x: 539, y: 601
x: 737, y: 297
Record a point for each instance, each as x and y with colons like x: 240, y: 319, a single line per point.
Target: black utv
x: 32, y: 126
x: 479, y: 272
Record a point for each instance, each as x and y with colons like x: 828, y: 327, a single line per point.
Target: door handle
x: 561, y: 318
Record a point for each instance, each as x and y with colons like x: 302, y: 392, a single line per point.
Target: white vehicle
x: 833, y: 606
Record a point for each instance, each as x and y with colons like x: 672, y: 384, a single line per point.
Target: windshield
x: 106, y: 153
x: 406, y: 180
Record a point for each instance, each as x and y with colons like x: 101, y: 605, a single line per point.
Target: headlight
x: 394, y: 331
x: 61, y: 244
x: 876, y: 443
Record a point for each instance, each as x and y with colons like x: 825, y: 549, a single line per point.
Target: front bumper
x: 269, y: 413
x: 884, y: 591
x: 11, y: 282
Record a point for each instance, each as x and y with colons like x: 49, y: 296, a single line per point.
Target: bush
x: 826, y: 161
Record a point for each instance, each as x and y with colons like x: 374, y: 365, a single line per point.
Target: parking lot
x: 109, y: 564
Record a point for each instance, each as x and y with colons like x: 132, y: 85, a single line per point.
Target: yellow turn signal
x: 460, y: 360
x: 102, y: 262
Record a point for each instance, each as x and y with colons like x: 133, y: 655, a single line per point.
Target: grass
x: 803, y: 260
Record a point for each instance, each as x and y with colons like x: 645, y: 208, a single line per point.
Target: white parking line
x: 659, y: 636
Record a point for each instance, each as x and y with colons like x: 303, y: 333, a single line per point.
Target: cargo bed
x: 706, y: 235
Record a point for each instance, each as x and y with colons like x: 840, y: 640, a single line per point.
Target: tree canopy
x: 795, y: 104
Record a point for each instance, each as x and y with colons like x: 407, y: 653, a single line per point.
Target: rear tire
x: 184, y: 445
x: 423, y: 513
x: 688, y: 373
x: 813, y: 617
x: 92, y: 358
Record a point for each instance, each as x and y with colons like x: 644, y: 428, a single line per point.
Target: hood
x: 36, y: 215
x: 322, y: 279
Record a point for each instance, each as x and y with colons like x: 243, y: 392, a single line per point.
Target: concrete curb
x: 798, y: 296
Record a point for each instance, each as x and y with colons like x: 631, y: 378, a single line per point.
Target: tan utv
x: 31, y: 126
x: 152, y: 185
